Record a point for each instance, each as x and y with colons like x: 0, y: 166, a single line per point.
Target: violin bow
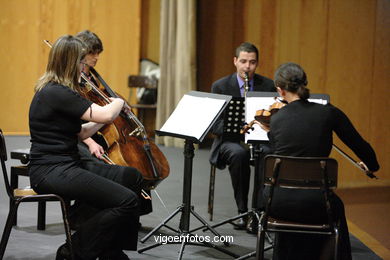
x: 349, y: 158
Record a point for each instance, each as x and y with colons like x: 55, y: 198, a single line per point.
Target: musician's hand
x: 126, y: 108
x: 368, y: 172
x: 363, y: 166
x: 264, y: 127
x: 95, y: 149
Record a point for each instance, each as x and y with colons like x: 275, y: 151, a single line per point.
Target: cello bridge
x: 136, y: 132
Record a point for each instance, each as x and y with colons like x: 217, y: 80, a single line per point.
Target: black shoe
x: 240, y: 223
x: 63, y: 253
x: 114, y: 255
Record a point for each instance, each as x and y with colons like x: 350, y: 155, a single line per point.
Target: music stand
x: 236, y: 113
x: 192, y: 125
x: 234, y: 119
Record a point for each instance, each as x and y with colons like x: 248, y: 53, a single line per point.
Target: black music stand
x: 234, y: 119
x: 192, y: 126
x: 236, y: 113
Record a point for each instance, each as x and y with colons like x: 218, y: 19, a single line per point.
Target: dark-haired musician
x: 303, y: 128
x: 234, y: 153
x: 91, y: 149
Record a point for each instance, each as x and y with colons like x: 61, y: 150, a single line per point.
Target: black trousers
x: 236, y: 156
x: 109, y: 189
x: 88, y: 160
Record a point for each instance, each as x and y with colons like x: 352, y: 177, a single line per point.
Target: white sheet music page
x: 192, y: 116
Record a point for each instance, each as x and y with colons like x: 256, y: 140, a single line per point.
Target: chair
x: 18, y: 196
x: 22, y: 170
x: 288, y: 172
x: 146, y: 92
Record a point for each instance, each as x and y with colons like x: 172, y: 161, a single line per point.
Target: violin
x: 264, y: 115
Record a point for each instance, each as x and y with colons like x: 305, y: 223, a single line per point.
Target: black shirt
x: 303, y: 128
x: 54, y: 119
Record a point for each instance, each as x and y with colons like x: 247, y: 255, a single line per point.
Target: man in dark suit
x: 234, y: 153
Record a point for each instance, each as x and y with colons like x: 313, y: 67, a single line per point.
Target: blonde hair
x: 63, y: 63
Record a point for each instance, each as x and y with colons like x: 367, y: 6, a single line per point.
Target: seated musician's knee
x: 130, y: 177
x: 240, y: 156
x: 129, y: 204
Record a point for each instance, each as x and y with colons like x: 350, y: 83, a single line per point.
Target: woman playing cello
x: 55, y: 119
x: 91, y: 148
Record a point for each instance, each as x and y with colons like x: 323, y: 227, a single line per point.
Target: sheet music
x: 193, y: 115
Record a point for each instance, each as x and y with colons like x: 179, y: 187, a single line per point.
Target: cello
x: 126, y: 139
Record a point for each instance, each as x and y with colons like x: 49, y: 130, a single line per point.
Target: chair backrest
x: 3, y: 157
x: 300, y: 172
x: 146, y: 88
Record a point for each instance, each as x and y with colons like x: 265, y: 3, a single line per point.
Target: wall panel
x: 25, y: 24
x: 343, y: 46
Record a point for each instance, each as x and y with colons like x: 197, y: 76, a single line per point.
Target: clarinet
x: 246, y: 83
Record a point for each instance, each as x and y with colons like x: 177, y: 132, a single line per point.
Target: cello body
x: 127, y: 144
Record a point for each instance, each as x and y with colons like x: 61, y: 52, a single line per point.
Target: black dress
x: 55, y: 167
x: 302, y: 128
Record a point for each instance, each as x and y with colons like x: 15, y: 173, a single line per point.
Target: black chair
x: 146, y: 96
x: 316, y: 173
x: 25, y: 195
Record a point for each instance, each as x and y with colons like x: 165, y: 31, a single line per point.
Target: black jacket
x: 229, y: 86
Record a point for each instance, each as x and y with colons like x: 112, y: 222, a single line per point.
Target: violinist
x: 91, y: 149
x: 303, y: 128
x: 55, y: 119
x: 234, y: 153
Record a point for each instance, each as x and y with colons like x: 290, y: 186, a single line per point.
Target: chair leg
x: 41, y: 225
x: 8, y: 227
x: 260, y: 238
x: 336, y: 243
x: 211, y: 192
x: 260, y: 244
x: 14, y: 182
x: 68, y: 232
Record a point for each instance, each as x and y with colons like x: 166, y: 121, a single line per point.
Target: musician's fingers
x: 363, y: 166
x: 264, y: 127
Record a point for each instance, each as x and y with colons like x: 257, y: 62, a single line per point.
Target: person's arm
x: 94, y: 148
x: 104, y: 114
x: 98, y: 116
x: 350, y: 136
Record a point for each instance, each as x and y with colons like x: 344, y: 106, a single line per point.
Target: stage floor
x: 26, y: 242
